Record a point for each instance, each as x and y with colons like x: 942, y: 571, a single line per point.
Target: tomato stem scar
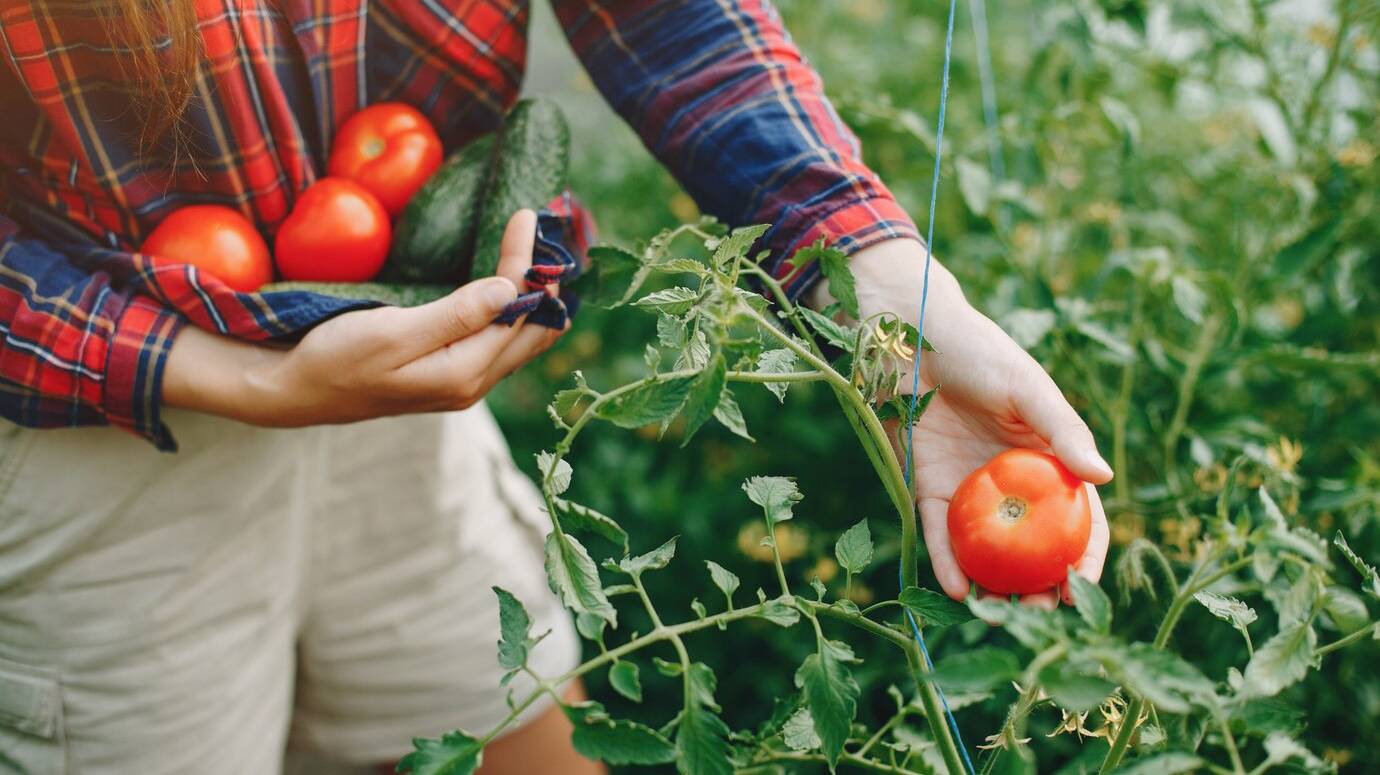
x: 1011, y: 508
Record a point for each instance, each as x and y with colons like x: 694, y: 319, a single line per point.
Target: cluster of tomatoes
x: 340, y: 228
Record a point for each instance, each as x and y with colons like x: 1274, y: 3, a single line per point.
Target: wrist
x: 890, y: 277
x: 218, y: 375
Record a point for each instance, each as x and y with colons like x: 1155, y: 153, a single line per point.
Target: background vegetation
x: 1186, y: 235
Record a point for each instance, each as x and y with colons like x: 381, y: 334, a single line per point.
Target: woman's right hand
x: 372, y: 363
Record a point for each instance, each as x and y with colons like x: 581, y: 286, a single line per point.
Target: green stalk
x: 1171, y: 619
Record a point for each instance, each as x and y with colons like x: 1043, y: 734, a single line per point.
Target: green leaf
x: 705, y: 392
x: 1305, y: 252
x: 975, y: 184
x: 1281, y: 661
x: 651, y: 356
x: 556, y: 470
x: 656, y: 559
x: 1091, y: 602
x: 833, y: 264
x: 1073, y: 690
x: 1369, y: 576
x: 1166, y: 763
x: 777, y: 495
x: 1162, y: 677
x: 701, y: 736
x: 934, y: 609
x: 730, y: 416
x: 780, y: 612
x: 675, y: 300
x: 590, y: 626
x: 976, y: 670
x: 513, y: 628
x: 573, y: 577
x: 1228, y: 609
x: 617, y: 742
x: 799, y: 732
x: 681, y: 265
x: 724, y: 579
x: 614, y: 275
x: 778, y: 361
x: 840, y: 336
x: 831, y: 694
x: 737, y: 244
x: 854, y: 548
x: 1347, y: 609
x: 625, y: 679
x: 455, y: 753
x: 575, y: 516
x: 671, y: 332
x: 1299, y: 603
x: 1189, y: 298
x: 650, y: 402
x: 1034, y: 628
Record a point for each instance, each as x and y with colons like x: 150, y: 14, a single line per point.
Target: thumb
x: 1041, y: 404
x: 468, y: 310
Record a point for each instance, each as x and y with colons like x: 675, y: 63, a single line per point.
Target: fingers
x: 532, y: 341
x: 467, y: 311
x: 1095, y: 556
x: 515, y: 251
x: 1042, y: 406
x: 935, y: 521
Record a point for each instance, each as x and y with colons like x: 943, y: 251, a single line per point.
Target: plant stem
x: 852, y: 760
x: 1171, y: 618
x: 1229, y: 741
x: 1188, y: 384
x: 1121, y: 411
x: 1347, y: 640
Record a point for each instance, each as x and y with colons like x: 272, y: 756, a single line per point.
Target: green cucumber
x: 531, y: 168
x: 434, y: 238
x: 388, y: 293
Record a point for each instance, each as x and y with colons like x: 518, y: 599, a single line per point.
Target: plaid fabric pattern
x: 715, y: 88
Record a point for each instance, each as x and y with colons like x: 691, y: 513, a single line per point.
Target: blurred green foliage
x: 1188, y: 237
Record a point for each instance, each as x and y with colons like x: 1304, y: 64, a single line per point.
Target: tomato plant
x: 216, y: 240
x: 388, y: 148
x: 337, y: 232
x: 1183, y: 234
x: 1018, y: 522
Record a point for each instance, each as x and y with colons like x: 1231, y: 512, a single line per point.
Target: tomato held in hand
x: 1019, y: 521
x: 218, y: 241
x: 337, y: 232
x: 390, y: 149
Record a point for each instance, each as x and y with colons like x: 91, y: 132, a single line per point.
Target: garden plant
x: 1176, y: 211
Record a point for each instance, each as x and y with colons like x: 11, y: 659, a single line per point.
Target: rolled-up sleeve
x: 721, y: 95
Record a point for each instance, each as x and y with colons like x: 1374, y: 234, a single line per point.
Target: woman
x: 191, y: 612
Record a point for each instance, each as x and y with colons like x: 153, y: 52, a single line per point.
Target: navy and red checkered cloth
x: 715, y: 88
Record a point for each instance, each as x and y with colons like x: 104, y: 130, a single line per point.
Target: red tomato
x: 337, y: 232
x: 1018, y: 522
x: 388, y: 148
x: 216, y: 240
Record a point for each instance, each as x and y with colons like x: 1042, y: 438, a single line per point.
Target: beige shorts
x: 325, y: 588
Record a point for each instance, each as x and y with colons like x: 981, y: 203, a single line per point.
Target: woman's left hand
x: 993, y: 396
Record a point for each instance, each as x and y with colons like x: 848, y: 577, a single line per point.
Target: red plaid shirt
x: 715, y: 88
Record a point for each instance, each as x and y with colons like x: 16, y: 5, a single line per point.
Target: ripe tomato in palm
x: 337, y: 232
x: 1019, y: 521
x: 390, y: 149
x: 218, y: 241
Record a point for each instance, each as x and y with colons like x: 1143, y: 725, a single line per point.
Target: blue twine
x: 919, y: 351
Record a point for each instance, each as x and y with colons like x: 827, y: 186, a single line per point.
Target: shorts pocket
x: 31, y: 722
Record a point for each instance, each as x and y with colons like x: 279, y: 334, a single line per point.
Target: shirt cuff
x: 135, y: 357
x: 849, y: 227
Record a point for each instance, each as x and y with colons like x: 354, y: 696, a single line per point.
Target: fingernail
x: 1095, y: 460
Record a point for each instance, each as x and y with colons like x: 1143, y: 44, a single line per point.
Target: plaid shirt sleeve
x: 720, y: 94
x: 87, y: 330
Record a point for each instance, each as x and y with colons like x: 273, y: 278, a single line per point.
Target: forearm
x: 215, y: 374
